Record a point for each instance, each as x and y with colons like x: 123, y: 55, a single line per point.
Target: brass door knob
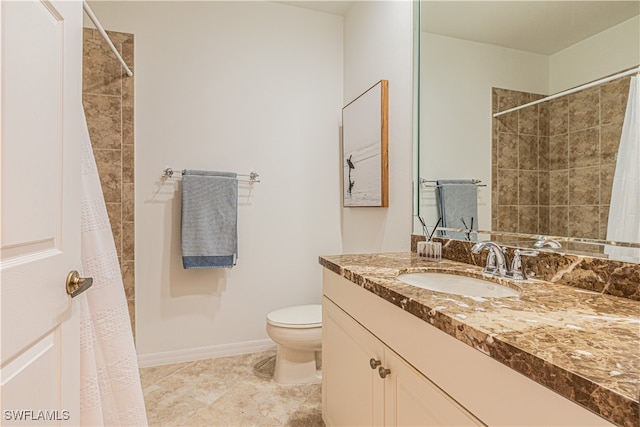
x: 76, y: 284
x: 374, y: 363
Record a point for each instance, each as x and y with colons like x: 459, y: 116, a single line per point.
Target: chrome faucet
x: 542, y: 242
x: 496, y: 262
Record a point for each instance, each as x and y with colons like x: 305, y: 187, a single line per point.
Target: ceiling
x: 543, y: 27
x: 537, y: 26
x: 332, y: 7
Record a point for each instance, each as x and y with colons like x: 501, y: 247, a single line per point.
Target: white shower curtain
x: 110, y: 391
x: 624, y: 211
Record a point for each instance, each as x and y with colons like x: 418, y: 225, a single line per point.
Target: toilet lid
x: 300, y: 316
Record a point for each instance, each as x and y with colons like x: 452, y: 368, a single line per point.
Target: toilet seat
x: 298, y: 317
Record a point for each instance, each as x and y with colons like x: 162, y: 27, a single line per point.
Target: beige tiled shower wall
x: 108, y: 104
x: 518, y: 140
x: 553, y: 163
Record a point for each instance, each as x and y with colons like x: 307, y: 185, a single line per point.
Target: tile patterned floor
x: 228, y: 391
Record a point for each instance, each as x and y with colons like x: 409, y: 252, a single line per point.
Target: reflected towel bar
x: 424, y: 182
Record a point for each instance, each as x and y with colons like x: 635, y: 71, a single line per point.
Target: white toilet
x: 298, y: 333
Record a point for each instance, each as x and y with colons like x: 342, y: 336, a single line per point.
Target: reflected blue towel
x: 457, y: 200
x: 209, y: 219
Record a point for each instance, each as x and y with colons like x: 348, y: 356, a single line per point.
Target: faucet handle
x: 490, y: 267
x: 517, y: 270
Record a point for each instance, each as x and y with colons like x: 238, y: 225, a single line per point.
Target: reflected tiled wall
x: 108, y: 102
x: 519, y: 166
x: 576, y: 141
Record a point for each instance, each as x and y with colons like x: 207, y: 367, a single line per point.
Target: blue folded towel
x: 457, y: 206
x: 209, y: 219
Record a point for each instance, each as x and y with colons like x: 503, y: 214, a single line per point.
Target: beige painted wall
x: 608, y: 52
x: 256, y: 85
x: 378, y: 44
x: 232, y: 86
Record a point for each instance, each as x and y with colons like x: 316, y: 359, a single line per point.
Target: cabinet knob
x: 383, y: 372
x: 374, y: 363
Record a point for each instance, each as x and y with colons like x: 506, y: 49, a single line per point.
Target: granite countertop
x: 581, y: 344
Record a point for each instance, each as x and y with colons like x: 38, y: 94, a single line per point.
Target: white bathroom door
x: 41, y: 93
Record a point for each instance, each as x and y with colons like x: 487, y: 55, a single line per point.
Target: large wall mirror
x: 544, y: 170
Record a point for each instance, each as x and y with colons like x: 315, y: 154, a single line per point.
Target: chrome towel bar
x: 169, y: 173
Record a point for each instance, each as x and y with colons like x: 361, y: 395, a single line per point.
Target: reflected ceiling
x: 515, y: 24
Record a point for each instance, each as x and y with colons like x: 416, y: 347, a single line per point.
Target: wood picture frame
x: 365, y: 148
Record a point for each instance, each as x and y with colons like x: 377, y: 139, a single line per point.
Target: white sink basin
x: 458, y: 285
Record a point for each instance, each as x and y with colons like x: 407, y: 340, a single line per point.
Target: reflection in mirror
x: 550, y: 167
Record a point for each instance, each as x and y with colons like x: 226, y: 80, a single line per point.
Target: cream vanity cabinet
x: 365, y: 383
x: 430, y: 378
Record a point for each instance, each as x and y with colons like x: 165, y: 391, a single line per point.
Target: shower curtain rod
x: 98, y: 25
x: 570, y: 91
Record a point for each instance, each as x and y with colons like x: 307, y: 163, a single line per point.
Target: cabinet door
x: 413, y: 400
x: 352, y: 392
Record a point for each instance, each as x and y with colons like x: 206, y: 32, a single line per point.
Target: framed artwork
x: 365, y: 160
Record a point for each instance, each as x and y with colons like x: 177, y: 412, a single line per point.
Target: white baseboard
x: 200, y: 353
